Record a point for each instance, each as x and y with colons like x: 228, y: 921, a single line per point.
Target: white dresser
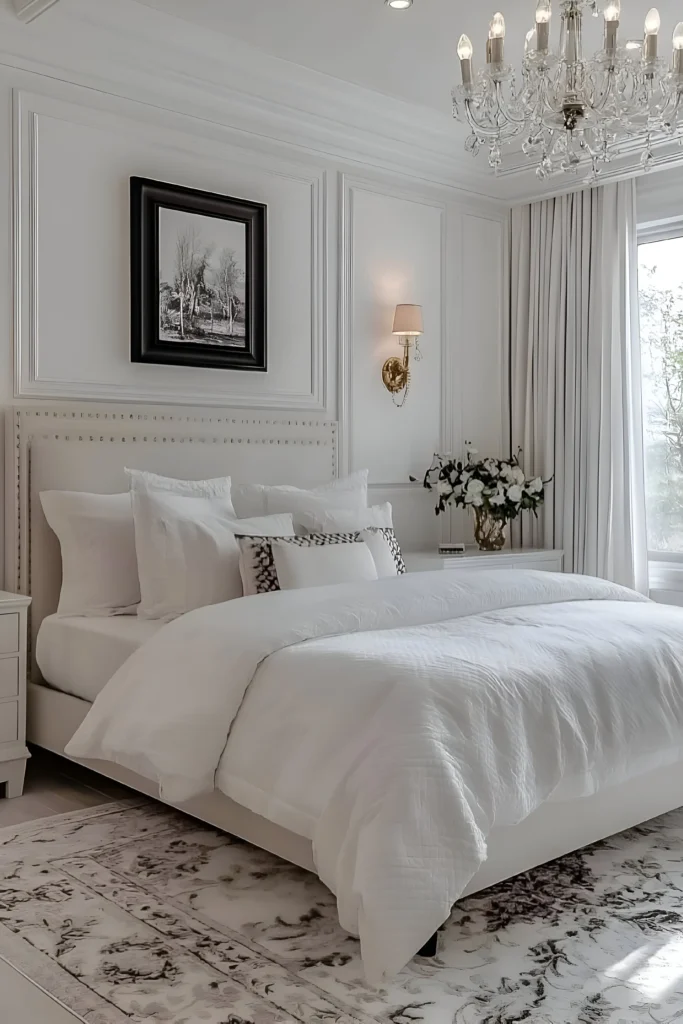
x: 13, y: 752
x: 546, y: 561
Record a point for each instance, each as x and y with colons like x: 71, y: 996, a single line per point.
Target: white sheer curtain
x: 575, y: 406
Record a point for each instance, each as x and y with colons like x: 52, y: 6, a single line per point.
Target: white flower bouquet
x: 497, y: 490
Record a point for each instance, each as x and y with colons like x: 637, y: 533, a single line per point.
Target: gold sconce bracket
x: 396, y: 372
x: 395, y: 375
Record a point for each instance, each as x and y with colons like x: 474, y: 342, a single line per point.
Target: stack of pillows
x: 169, y: 546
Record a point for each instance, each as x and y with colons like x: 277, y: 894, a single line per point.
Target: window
x: 660, y: 284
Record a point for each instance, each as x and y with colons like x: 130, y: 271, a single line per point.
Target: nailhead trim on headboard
x: 156, y: 426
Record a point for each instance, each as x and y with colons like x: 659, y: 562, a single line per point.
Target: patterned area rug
x: 130, y: 912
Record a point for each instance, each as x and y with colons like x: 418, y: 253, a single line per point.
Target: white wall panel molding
x: 126, y: 50
x: 79, y: 135
x: 402, y: 257
x: 29, y: 10
x: 482, y: 368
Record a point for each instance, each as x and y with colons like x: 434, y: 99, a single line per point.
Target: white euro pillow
x: 217, y: 489
x: 198, y: 498
x: 191, y: 554
x: 345, y: 520
x: 97, y: 539
x: 320, y: 566
x: 262, y: 499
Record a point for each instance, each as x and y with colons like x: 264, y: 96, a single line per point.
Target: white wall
x: 346, y: 243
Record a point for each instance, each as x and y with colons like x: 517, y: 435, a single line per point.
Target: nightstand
x: 13, y: 752
x: 547, y: 561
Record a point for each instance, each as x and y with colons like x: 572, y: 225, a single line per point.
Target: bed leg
x: 429, y: 948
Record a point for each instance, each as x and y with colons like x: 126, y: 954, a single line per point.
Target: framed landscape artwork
x: 198, y: 278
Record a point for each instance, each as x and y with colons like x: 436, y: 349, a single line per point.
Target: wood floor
x: 22, y: 1002
x: 53, y: 786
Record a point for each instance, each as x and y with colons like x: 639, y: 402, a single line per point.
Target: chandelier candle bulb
x: 465, y: 51
x: 652, y: 26
x: 497, y: 39
x: 612, y: 16
x: 573, y: 110
x: 678, y: 49
x: 543, y: 16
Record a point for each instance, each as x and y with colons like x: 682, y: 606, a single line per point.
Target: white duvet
x: 415, y: 714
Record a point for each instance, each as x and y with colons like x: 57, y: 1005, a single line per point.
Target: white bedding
x: 432, y: 707
x: 80, y: 655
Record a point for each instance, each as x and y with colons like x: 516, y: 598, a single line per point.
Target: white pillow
x: 345, y: 520
x: 217, y: 489
x: 191, y: 554
x: 198, y: 498
x: 97, y: 539
x: 320, y: 566
x: 261, y: 499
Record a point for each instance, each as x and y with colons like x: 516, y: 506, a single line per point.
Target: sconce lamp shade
x: 408, y: 321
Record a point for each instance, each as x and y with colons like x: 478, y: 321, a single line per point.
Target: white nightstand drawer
x: 9, y: 677
x: 545, y: 560
x: 9, y: 722
x: 9, y: 633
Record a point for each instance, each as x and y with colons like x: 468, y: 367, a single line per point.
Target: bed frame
x: 86, y: 447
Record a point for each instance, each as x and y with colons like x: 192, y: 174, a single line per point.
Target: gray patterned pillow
x: 257, y: 565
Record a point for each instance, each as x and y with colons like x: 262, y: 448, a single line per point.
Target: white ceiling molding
x: 128, y: 50
x: 29, y: 10
x: 125, y: 49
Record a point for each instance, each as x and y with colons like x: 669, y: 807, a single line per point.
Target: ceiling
x: 406, y: 54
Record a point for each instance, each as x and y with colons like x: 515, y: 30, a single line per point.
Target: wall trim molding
x: 348, y: 187
x: 30, y: 382
x: 227, y: 83
x: 245, y: 90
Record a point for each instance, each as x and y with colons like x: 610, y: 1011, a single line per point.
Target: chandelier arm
x: 485, y: 132
x: 673, y: 110
x: 568, y: 108
x: 519, y: 120
x: 600, y: 105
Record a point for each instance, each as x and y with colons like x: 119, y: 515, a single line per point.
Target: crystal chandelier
x: 567, y: 108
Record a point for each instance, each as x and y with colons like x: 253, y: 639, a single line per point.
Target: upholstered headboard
x: 87, y: 447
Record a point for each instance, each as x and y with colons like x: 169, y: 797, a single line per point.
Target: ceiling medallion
x: 568, y: 108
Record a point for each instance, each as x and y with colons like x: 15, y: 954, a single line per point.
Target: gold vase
x: 489, y: 533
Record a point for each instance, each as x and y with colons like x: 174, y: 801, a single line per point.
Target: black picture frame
x: 147, y: 199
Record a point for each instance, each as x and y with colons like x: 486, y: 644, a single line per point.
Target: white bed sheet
x: 79, y: 655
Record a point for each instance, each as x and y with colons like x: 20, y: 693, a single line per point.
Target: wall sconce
x: 396, y: 372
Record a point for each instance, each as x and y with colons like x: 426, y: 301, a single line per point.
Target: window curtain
x: 574, y: 375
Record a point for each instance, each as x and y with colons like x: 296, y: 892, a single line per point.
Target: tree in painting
x: 226, y: 280
x: 201, y: 289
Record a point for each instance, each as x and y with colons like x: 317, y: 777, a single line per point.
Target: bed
x: 86, y: 449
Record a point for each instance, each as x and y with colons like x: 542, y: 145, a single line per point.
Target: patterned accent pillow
x: 394, y: 546
x: 257, y: 564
